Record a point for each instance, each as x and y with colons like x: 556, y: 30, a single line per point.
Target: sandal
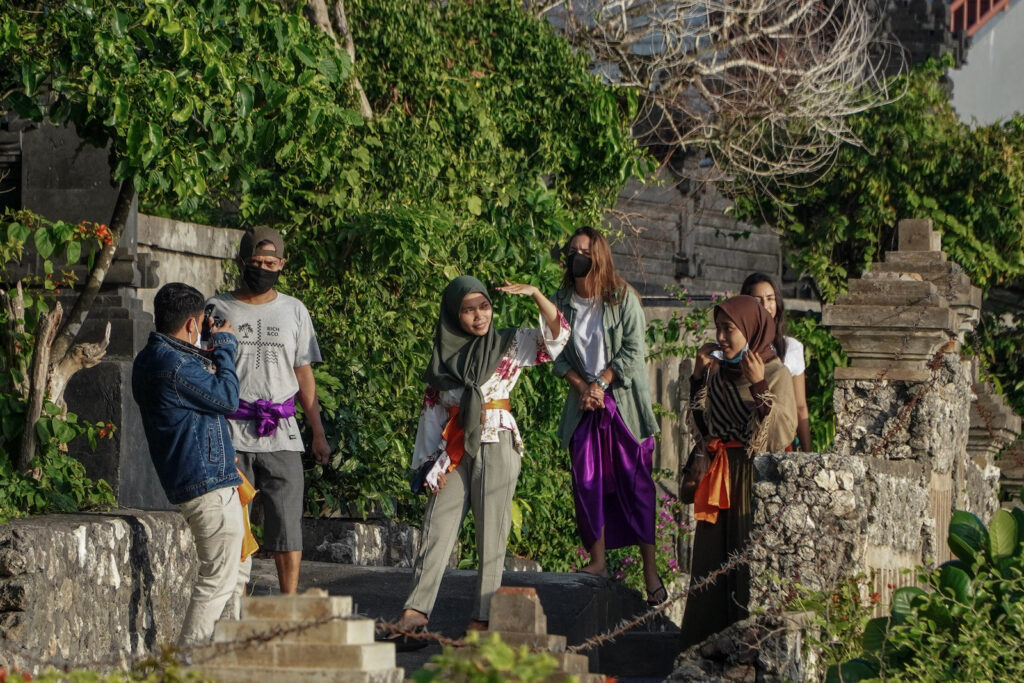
x: 404, y: 643
x: 660, y: 592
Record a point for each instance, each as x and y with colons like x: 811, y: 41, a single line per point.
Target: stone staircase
x: 304, y: 638
x: 537, y: 609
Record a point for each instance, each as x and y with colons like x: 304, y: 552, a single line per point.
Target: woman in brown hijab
x: 742, y: 404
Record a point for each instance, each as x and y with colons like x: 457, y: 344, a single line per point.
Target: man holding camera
x: 277, y: 346
x: 184, y: 396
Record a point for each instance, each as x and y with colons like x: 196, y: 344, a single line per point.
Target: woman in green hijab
x: 468, y: 447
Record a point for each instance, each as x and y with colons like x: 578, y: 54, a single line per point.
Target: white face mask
x: 198, y: 342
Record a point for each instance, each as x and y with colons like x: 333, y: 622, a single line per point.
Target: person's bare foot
x: 412, y: 619
x: 476, y: 625
x: 595, y: 570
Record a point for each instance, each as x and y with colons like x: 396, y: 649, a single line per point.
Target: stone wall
x: 675, y: 236
x: 910, y: 447
x: 186, y: 252
x: 88, y: 588
x: 915, y: 438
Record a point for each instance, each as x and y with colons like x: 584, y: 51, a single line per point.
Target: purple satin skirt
x: 611, y: 476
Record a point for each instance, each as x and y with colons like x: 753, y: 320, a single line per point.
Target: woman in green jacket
x: 607, y: 424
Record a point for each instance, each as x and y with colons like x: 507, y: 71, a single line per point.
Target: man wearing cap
x: 276, y: 347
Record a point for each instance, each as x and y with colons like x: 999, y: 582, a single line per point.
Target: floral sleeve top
x: 530, y: 347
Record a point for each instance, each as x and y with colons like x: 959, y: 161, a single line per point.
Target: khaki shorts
x: 279, y: 479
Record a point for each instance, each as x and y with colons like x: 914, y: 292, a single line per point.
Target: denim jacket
x: 183, y: 403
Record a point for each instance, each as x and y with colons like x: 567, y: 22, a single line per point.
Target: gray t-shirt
x: 273, y: 339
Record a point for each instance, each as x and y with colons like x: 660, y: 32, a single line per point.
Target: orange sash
x: 246, y: 492
x: 454, y: 435
x: 714, y: 489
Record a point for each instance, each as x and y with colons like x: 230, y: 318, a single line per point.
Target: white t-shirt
x: 588, y: 334
x: 794, y: 360
x: 273, y: 339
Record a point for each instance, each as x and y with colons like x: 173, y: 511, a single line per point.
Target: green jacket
x: 624, y: 330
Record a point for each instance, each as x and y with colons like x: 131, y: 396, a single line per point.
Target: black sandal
x: 404, y: 643
x: 660, y: 590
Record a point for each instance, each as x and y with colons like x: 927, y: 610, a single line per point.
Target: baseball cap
x: 253, y: 236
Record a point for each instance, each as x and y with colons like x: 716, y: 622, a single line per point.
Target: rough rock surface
x: 91, y: 588
x: 761, y: 649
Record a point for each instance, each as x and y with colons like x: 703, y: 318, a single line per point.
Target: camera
x: 207, y: 328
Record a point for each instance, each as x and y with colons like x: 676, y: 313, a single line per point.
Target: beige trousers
x: 486, y: 484
x: 215, y: 519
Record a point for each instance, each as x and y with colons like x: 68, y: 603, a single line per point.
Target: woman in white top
x: 763, y: 288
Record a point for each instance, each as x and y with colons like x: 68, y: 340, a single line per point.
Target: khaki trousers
x: 215, y: 519
x: 486, y: 484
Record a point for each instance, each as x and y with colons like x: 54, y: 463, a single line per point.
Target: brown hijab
x: 753, y: 320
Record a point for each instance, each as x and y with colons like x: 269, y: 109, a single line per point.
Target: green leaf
x: 305, y: 55
x: 44, y: 243
x: 244, y: 99
x: 184, y: 113
x: 1018, y: 514
x: 1003, y: 534
x: 44, y: 430
x: 852, y: 671
x: 875, y: 634
x: 956, y: 583
x: 73, y: 252
x: 903, y: 602
x: 967, y: 536
x: 329, y: 68
x: 474, y: 204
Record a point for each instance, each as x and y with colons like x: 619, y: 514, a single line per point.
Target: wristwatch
x: 601, y: 383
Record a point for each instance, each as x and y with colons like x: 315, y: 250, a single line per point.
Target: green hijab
x: 461, y: 359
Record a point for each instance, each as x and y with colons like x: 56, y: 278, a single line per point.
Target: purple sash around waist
x: 264, y: 413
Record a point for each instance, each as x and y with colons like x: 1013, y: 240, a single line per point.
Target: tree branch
x: 80, y: 312
x: 45, y: 332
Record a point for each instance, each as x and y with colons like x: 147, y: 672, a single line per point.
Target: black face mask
x: 259, y: 280
x: 578, y: 264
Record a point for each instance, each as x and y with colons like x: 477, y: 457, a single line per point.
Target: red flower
x: 542, y: 355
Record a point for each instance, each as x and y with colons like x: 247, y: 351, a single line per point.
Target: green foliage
x: 916, y: 160
x: 54, y: 482
x: 682, y: 334
x: 490, y: 143
x: 199, y: 102
x: 840, y: 614
x: 823, y: 355
x: 487, y: 660
x: 998, y: 339
x: 967, y: 625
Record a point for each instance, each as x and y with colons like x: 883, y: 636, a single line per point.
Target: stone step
x: 273, y: 654
x: 342, y: 631
x: 307, y: 675
x: 576, y: 606
x: 297, y: 607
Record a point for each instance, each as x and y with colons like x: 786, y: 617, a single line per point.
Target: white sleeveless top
x: 794, y: 360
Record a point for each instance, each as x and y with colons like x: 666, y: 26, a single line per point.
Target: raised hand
x: 516, y: 288
x: 753, y: 367
x: 704, y: 358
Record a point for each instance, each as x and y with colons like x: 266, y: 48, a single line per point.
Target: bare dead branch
x: 81, y: 356
x: 46, y: 330
x: 765, y: 87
